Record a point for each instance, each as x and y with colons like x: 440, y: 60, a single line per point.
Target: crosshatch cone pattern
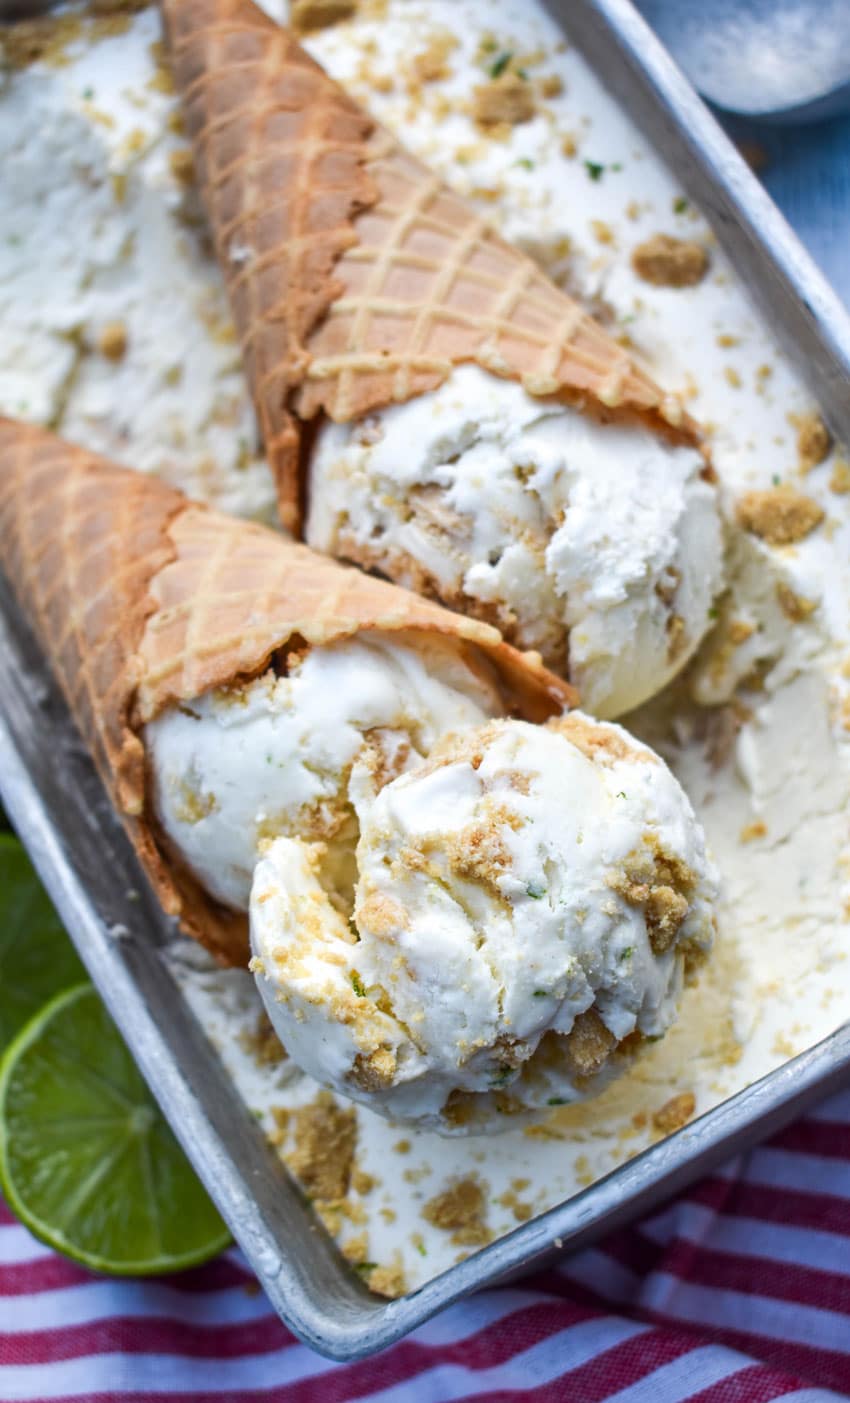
x: 141, y: 598
x: 80, y: 542
x: 357, y: 278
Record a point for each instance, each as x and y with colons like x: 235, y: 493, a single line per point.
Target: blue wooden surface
x: 808, y: 174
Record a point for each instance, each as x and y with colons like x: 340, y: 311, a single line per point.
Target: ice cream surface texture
x: 598, y: 544
x: 245, y: 763
x: 526, y: 903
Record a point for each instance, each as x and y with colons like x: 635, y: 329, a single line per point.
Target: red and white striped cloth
x: 737, y: 1292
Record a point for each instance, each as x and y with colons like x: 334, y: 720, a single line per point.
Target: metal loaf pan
x: 61, y: 812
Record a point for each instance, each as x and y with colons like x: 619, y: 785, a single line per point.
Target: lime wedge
x: 37, y: 958
x: 87, y: 1161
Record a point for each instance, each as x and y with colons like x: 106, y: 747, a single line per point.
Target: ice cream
x: 117, y: 333
x: 466, y: 390
x: 242, y: 764
x: 525, y: 905
x: 598, y: 544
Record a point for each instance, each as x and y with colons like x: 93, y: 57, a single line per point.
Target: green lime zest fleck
x: 556, y: 1101
x: 422, y: 1249
x: 498, y: 66
x: 595, y: 169
x: 776, y: 479
x: 714, y: 612
x: 357, y: 984
x: 541, y: 993
x: 626, y: 954
x: 681, y: 204
x: 535, y: 891
x: 365, y: 1266
x: 526, y: 163
x: 621, y: 794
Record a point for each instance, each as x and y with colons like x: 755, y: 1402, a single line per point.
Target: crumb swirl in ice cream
x: 273, y: 757
x: 526, y: 903
x: 597, y: 544
x: 456, y: 917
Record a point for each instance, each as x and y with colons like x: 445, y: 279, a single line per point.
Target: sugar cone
x: 357, y: 278
x: 141, y: 599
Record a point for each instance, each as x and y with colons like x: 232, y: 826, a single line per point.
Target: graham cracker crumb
x: 794, y: 606
x: 520, y: 1209
x: 660, y: 883
x: 356, y: 1248
x: 732, y: 377
x: 813, y: 440
x: 589, y: 1043
x: 263, y: 1043
x: 677, y: 638
x: 675, y: 1113
x: 739, y: 631
x: 751, y: 831
x: 508, y: 98
x: 182, y: 165
x: 461, y: 1210
x: 840, y: 480
x: 112, y: 341
x: 595, y: 741
x: 778, y: 515
x: 306, y: 16
x: 361, y: 1182
x: 551, y: 85
x: 280, y: 1116
x: 375, y: 1071
x: 460, y: 1107
x: 387, y: 1281
x: 430, y: 64
x: 569, y: 145
x: 325, y: 1140
x: 664, y: 913
x: 665, y: 261
x: 47, y: 38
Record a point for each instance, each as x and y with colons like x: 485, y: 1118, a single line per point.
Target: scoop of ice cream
x: 597, y: 544
x: 527, y: 901
x: 247, y: 763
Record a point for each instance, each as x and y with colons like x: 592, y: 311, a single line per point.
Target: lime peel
x: 87, y: 1160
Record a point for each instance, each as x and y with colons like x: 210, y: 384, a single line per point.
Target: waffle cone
x: 142, y: 599
x: 357, y: 278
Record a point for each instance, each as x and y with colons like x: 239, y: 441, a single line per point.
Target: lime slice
x: 37, y: 958
x: 87, y: 1161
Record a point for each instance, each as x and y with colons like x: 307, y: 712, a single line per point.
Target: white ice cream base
x: 537, y: 510
x: 237, y: 766
x: 455, y: 976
